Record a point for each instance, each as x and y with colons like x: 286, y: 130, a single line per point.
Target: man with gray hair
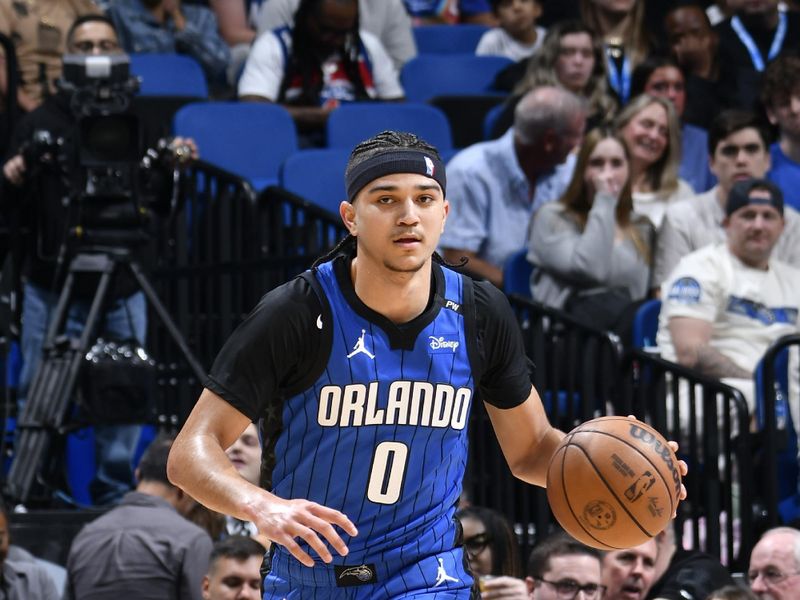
x: 775, y: 565
x: 494, y: 187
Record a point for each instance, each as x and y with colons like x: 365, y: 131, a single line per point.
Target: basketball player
x: 363, y: 372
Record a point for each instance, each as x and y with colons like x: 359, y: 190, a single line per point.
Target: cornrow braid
x: 385, y: 141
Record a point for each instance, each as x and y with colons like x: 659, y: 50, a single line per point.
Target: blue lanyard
x: 747, y: 40
x: 619, y: 79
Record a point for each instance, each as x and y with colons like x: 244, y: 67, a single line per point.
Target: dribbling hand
x: 284, y: 520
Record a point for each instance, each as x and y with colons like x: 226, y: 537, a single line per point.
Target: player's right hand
x: 14, y: 169
x: 284, y: 520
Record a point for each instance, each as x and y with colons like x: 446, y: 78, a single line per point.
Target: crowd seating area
x: 257, y: 209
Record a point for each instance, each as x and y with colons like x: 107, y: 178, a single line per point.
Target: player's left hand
x: 504, y: 587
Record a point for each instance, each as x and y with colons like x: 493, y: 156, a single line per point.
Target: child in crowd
x: 517, y: 37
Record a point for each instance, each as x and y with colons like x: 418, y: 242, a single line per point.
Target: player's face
x: 667, y: 82
x: 95, y: 38
x: 245, y: 454
x: 231, y: 579
x: 741, y: 155
x: 628, y: 574
x: 753, y: 231
x: 398, y: 220
x: 575, y: 61
x: 607, y: 166
x: 574, y: 569
x: 518, y: 17
x: 477, y: 545
x: 785, y: 113
x: 774, y: 573
x: 647, y: 134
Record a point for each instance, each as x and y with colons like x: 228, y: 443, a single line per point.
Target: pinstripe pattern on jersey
x: 331, y: 463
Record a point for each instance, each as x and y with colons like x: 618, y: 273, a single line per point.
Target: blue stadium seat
x: 645, y: 324
x: 317, y: 176
x: 429, y: 75
x: 491, y: 117
x: 251, y: 139
x: 448, y: 39
x: 169, y: 75
x: 352, y: 123
x: 517, y: 274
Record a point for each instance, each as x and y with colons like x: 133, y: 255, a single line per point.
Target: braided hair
x: 302, y: 62
x: 386, y: 141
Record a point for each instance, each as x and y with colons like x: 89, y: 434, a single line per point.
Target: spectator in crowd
x: 39, y: 33
x: 238, y: 21
x: 660, y: 76
x: 737, y: 150
x: 168, y: 26
x: 620, y: 24
x: 234, y: 572
x: 780, y: 95
x: 142, y: 548
x: 492, y: 551
x: 592, y: 253
x: 629, y: 574
x: 756, y: 34
x: 723, y: 305
x: 732, y: 592
x: 42, y: 189
x: 387, y: 20
x: 693, y: 45
x: 682, y: 574
x: 22, y: 577
x: 245, y: 454
x: 774, y: 571
x: 494, y: 187
x: 650, y: 128
x: 322, y: 61
x: 435, y: 12
x: 571, y: 57
x: 560, y: 567
x: 517, y: 36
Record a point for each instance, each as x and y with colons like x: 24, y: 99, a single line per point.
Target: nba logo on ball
x: 613, y: 483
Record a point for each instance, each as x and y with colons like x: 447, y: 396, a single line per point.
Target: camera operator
x: 42, y: 144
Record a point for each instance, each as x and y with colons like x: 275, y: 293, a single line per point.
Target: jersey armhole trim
x: 471, y: 332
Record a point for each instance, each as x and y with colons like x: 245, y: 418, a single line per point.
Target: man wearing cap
x: 362, y: 372
x: 724, y: 304
x: 738, y: 148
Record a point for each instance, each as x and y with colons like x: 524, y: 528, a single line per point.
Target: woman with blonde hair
x: 571, y: 56
x: 591, y: 250
x: 626, y: 41
x: 651, y: 130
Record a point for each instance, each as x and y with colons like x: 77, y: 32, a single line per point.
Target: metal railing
x: 776, y: 370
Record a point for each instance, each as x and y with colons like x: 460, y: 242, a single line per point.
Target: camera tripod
x: 46, y: 410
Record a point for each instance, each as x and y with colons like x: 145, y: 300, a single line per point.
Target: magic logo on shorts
x: 686, y: 290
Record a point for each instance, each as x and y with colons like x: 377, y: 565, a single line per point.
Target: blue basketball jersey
x: 382, y: 433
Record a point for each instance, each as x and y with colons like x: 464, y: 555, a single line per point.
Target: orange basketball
x: 613, y: 483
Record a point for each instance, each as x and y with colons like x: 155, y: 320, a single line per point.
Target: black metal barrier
x: 711, y: 422
x: 580, y: 374
x: 575, y: 374
x: 220, y: 254
x: 778, y: 439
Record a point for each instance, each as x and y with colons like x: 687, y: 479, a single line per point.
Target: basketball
x: 613, y: 483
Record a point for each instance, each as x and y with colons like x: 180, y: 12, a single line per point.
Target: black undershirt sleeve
x: 274, y: 349
x: 506, y: 376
